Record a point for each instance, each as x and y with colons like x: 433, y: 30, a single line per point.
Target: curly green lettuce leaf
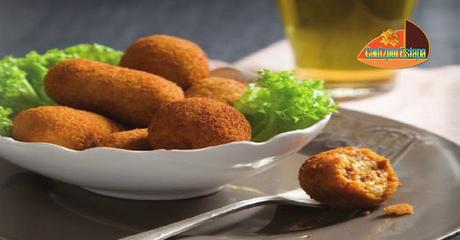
x: 279, y: 102
x: 35, y: 67
x: 16, y: 92
x: 21, y: 79
x: 96, y: 52
x: 5, y: 121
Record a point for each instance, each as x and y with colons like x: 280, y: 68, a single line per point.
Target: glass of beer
x: 327, y: 35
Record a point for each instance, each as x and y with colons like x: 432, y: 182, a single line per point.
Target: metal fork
x: 295, y: 197
x: 389, y: 142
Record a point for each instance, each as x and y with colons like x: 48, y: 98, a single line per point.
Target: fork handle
x: 189, y: 223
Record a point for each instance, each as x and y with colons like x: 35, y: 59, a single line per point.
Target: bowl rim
x: 324, y: 120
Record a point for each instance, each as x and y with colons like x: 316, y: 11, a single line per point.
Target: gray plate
x: 34, y: 207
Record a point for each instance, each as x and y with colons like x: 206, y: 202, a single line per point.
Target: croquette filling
x: 367, y: 173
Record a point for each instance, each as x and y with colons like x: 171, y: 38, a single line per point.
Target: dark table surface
x: 227, y: 30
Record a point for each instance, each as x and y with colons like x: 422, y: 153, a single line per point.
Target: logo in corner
x: 395, y: 49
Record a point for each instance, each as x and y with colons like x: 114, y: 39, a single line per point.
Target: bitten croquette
x: 348, y: 177
x: 176, y: 59
x: 123, y: 94
x: 221, y: 89
x: 64, y: 126
x: 197, y: 123
x: 135, y: 139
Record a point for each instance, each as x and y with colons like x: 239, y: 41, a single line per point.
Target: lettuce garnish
x: 279, y: 102
x: 5, y: 121
x: 21, y: 79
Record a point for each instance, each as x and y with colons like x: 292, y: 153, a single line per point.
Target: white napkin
x: 426, y: 98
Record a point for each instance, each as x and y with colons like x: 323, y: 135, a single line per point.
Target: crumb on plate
x: 399, y: 209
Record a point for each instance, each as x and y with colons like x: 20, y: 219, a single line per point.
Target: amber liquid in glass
x: 327, y: 35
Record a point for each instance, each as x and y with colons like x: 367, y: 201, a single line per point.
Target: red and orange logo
x: 394, y: 49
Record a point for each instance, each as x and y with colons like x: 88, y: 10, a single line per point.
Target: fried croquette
x: 176, y: 59
x: 197, y: 123
x: 126, y: 95
x: 135, y: 139
x: 221, y: 89
x: 399, y: 209
x: 348, y: 177
x: 64, y: 126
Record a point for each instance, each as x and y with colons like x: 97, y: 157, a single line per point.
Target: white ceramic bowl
x: 157, y: 174
x: 160, y: 174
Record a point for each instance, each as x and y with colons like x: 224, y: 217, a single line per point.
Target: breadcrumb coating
x: 64, y: 126
x: 176, y: 59
x: 126, y: 95
x: 135, y: 139
x: 221, y: 89
x: 197, y: 123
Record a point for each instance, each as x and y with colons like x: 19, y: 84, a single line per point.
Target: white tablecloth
x: 426, y: 98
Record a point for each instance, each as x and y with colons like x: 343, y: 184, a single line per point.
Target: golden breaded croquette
x: 135, y: 139
x: 126, y: 95
x: 221, y: 89
x: 197, y: 123
x: 176, y: 59
x: 348, y: 177
x: 64, y: 126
